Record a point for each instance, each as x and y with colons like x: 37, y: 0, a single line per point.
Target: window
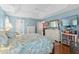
x: 53, y: 24
x: 8, y: 25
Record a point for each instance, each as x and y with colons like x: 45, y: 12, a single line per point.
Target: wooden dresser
x: 60, y: 48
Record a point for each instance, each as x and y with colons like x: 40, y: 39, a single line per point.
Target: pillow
x: 10, y: 35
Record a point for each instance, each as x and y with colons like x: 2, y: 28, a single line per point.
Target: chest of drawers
x: 60, y: 48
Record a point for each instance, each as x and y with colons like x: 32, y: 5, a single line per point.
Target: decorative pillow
x: 10, y: 35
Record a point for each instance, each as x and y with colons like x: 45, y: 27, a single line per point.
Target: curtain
x: 20, y: 26
x: 1, y: 24
x: 13, y: 22
x: 2, y: 20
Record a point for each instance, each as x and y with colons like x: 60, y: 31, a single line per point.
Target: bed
x: 27, y: 44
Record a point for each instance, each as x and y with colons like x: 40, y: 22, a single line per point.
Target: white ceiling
x: 38, y: 11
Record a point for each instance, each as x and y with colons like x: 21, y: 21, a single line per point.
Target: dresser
x: 60, y: 48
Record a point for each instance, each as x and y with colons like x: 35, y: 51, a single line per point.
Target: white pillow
x: 10, y: 35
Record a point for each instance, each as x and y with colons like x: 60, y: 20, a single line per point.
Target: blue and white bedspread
x: 41, y: 46
x: 32, y: 44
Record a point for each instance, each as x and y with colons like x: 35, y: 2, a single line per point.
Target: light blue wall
x: 63, y: 15
x: 31, y: 22
x: 28, y: 21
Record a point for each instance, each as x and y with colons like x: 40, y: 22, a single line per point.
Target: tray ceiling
x: 38, y: 11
